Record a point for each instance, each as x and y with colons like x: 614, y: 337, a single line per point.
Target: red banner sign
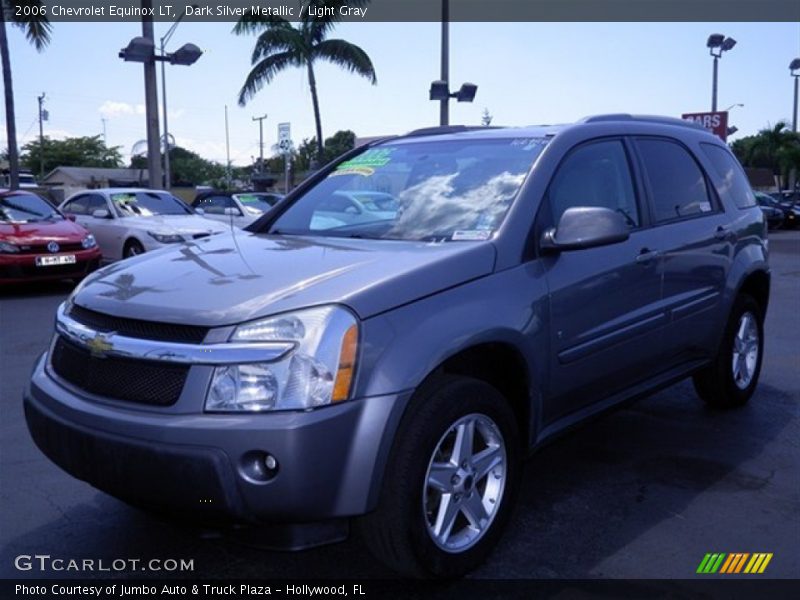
x: 715, y: 122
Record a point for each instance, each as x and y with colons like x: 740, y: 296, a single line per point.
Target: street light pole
x: 794, y: 70
x: 260, y: 142
x: 720, y: 43
x: 151, y: 102
x: 714, y: 84
x: 444, y: 110
x: 164, y: 40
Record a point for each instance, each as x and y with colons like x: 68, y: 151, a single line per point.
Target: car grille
x: 42, y: 248
x: 141, y: 381
x: 148, y: 330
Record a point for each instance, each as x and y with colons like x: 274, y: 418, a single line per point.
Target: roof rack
x: 443, y: 130
x: 641, y: 119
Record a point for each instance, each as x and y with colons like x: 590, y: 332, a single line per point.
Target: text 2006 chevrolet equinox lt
x: 388, y: 344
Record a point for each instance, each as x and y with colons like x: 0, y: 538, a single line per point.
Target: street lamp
x: 142, y: 49
x: 441, y: 92
x: 717, y: 44
x: 732, y: 106
x: 794, y: 69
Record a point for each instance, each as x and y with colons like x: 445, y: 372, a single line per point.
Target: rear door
x: 695, y: 240
x: 605, y: 308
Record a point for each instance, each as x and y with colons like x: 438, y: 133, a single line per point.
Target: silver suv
x: 391, y: 366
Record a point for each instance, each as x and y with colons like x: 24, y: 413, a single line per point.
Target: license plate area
x: 51, y: 261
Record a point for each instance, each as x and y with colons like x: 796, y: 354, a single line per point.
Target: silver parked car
x: 129, y: 221
x: 393, y: 372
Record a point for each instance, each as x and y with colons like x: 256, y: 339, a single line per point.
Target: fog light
x: 258, y: 466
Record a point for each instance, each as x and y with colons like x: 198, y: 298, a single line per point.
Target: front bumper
x: 330, y: 460
x: 22, y: 267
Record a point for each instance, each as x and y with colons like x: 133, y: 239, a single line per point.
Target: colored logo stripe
x: 734, y: 562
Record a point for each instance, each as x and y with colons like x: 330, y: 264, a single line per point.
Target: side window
x: 734, y: 181
x: 95, y: 202
x: 77, y: 206
x: 677, y: 184
x: 216, y: 205
x: 596, y: 174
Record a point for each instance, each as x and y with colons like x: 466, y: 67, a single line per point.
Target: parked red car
x: 38, y: 242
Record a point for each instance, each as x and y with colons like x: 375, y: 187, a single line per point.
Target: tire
x: 401, y: 531
x: 132, y: 248
x: 719, y: 384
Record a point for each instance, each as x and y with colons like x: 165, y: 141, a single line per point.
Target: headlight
x: 6, y: 248
x: 319, y: 371
x: 165, y: 238
x: 89, y: 241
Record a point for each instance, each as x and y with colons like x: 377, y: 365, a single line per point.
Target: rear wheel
x: 132, y: 248
x: 450, y: 481
x: 732, y: 378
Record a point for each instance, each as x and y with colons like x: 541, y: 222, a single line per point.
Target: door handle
x: 646, y: 255
x: 723, y: 233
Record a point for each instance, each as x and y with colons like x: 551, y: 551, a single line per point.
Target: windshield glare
x: 431, y: 191
x: 25, y: 208
x: 256, y: 203
x: 147, y: 204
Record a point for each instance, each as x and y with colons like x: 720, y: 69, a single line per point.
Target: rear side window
x: 595, y: 174
x: 734, y: 181
x: 677, y: 184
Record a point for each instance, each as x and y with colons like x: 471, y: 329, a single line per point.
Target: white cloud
x: 111, y: 109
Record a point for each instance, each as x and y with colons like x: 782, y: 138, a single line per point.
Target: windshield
x: 434, y: 191
x: 147, y: 204
x: 26, y: 208
x: 256, y: 203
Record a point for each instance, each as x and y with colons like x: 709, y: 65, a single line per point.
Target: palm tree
x: 281, y: 45
x: 37, y: 30
x: 776, y: 147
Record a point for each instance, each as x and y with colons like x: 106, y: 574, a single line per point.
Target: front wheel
x: 450, y: 482
x: 132, y: 248
x: 731, y: 379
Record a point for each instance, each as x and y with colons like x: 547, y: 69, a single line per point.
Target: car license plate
x: 49, y: 261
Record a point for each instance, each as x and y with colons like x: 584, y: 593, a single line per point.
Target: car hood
x: 175, y: 224
x: 232, y: 278
x: 62, y: 231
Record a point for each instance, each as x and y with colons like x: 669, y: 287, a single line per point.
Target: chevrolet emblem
x: 99, y: 345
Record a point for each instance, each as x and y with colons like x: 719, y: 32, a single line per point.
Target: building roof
x: 97, y: 174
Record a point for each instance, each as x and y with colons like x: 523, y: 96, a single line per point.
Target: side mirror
x: 70, y: 217
x: 232, y: 212
x: 586, y: 227
x: 199, y: 211
x: 101, y: 213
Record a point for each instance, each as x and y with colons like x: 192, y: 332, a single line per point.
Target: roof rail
x: 641, y: 119
x: 443, y: 130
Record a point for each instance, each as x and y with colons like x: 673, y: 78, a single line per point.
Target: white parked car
x: 128, y: 221
x: 237, y: 208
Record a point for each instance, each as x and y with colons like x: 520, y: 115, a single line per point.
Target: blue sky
x: 527, y: 73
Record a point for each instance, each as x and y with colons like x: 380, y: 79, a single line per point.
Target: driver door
x: 606, y: 319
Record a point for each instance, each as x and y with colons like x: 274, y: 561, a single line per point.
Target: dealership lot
x: 643, y: 492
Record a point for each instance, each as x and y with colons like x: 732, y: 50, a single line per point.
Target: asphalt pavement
x: 643, y: 492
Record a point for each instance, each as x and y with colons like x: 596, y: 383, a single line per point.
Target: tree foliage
x: 775, y: 147
x: 70, y: 152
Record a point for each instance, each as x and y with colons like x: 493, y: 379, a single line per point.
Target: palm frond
x: 253, y: 23
x: 320, y: 27
x: 279, y: 39
x: 264, y: 72
x: 37, y: 29
x: 348, y: 56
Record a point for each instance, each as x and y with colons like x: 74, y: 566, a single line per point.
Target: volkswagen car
x: 38, y: 242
